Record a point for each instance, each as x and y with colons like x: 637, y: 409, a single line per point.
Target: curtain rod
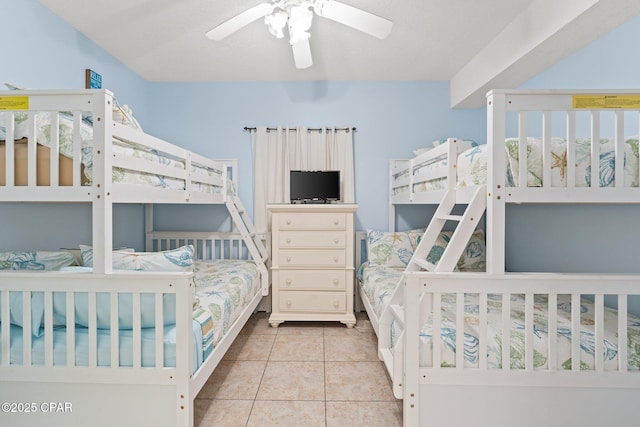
x: 353, y: 129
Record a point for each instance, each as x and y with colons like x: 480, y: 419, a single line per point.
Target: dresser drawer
x: 314, y: 280
x: 312, y: 221
x: 312, y: 239
x: 314, y: 302
x: 312, y: 258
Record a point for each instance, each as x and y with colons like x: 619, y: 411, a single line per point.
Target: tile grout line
x: 255, y: 397
x: 324, y: 374
x: 327, y: 334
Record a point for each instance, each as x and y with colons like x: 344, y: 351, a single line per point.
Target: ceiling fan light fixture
x: 297, y: 15
x: 301, y: 16
x: 275, y: 23
x: 300, y: 20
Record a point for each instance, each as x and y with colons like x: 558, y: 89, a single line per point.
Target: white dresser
x: 312, y: 262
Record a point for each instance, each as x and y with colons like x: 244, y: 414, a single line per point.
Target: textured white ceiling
x: 164, y: 40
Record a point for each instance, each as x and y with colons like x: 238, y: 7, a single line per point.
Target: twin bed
x: 117, y: 337
x: 538, y: 348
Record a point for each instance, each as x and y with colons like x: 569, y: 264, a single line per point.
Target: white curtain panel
x: 278, y: 151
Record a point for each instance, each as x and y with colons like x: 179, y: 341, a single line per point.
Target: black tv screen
x: 314, y: 185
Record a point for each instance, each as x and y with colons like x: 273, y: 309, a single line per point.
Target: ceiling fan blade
x: 302, y: 54
x: 239, y: 21
x: 356, y: 18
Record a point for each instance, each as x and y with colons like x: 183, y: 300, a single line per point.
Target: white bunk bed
x: 520, y: 365
x: 425, y: 178
x: 150, y: 371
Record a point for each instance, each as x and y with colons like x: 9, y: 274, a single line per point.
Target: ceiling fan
x: 297, y: 15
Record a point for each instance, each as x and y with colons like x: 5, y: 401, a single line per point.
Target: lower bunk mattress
x: 378, y: 283
x: 224, y: 288
x: 125, y: 345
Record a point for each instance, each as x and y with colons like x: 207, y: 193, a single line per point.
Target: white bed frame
x: 114, y: 395
x: 456, y: 396
x: 402, y: 190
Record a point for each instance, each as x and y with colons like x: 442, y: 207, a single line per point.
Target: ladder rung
x: 424, y: 264
x: 451, y: 217
x: 398, y: 312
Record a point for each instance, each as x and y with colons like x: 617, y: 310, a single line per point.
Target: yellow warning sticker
x: 594, y: 102
x: 14, y: 103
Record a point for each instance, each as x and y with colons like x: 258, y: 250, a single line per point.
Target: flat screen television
x: 314, y: 186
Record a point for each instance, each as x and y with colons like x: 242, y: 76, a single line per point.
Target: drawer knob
x: 288, y: 240
x: 289, y: 221
x: 336, y: 221
x: 336, y: 282
x: 336, y: 304
x: 335, y: 259
x: 288, y: 302
x: 336, y: 241
x: 288, y: 281
x: 288, y: 259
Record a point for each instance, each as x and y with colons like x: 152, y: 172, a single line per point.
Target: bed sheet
x: 224, y: 288
x: 472, y: 163
x: 431, y: 185
x: 104, y: 347
x: 119, y: 146
x: 378, y: 284
x: 541, y: 318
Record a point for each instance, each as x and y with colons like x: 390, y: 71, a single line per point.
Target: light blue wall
x: 392, y: 118
x: 40, y: 51
x: 583, y: 238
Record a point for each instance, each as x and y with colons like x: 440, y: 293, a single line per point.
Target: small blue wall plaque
x: 93, y: 80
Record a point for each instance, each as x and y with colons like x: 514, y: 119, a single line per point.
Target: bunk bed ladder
x: 252, y: 239
x: 390, y: 344
x: 467, y: 223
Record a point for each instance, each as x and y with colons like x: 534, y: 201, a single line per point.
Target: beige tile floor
x: 299, y: 374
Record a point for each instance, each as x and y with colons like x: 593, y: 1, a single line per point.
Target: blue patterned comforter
x: 378, y: 284
x: 223, y: 289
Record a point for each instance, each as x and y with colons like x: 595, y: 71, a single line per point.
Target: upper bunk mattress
x: 120, y: 147
x: 471, y: 166
x: 472, y: 163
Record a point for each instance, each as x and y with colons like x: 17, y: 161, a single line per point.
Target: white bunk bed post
x: 392, y: 206
x: 101, y: 190
x: 496, y: 120
x: 9, y: 125
x: 184, y: 359
x: 31, y: 150
x: 411, y: 377
x: 148, y: 228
